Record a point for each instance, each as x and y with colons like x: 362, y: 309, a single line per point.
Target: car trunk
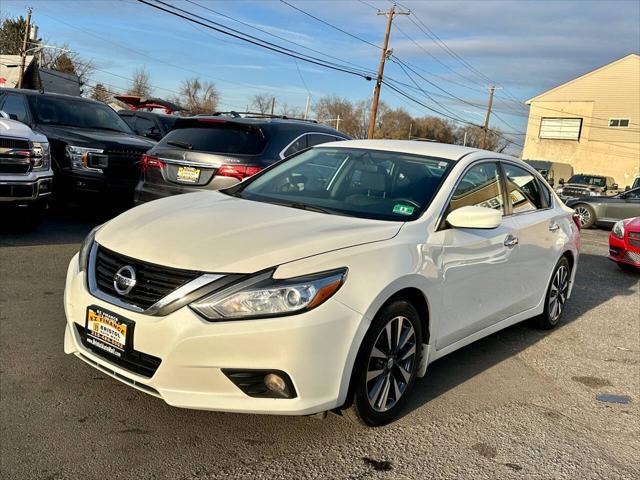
x: 197, y: 149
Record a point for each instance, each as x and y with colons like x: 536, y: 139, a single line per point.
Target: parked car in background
x: 92, y: 148
x: 606, y: 211
x: 636, y: 183
x: 327, y: 281
x: 555, y: 173
x: 624, y: 243
x: 26, y: 178
x: 583, y: 185
x: 148, y: 124
x: 217, y: 151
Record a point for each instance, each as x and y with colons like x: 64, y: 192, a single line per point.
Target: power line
x: 276, y: 36
x: 249, y: 38
x: 331, y: 25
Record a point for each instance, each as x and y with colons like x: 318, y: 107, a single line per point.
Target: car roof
x: 26, y: 91
x: 432, y: 149
x: 313, y: 126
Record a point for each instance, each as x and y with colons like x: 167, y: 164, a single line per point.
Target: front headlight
x: 85, y: 249
x: 263, y: 296
x: 79, y: 156
x: 618, y: 229
x: 594, y: 193
x: 41, y: 155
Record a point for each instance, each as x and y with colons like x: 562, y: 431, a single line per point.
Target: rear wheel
x: 557, y: 293
x: 387, y: 365
x: 587, y: 215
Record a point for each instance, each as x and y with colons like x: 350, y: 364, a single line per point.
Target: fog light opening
x: 276, y: 384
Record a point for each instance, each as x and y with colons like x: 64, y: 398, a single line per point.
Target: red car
x: 624, y: 243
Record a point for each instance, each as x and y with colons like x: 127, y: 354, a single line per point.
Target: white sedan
x: 329, y: 281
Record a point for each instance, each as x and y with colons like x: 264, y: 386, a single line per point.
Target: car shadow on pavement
x: 597, y: 281
x: 62, y: 224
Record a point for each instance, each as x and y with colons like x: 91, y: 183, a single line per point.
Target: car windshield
x: 588, y: 180
x: 76, y: 113
x: 354, y: 182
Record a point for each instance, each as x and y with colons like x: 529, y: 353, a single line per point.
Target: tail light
x: 149, y: 161
x: 238, y: 171
x: 576, y: 220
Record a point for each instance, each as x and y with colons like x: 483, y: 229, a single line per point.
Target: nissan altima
x: 327, y: 282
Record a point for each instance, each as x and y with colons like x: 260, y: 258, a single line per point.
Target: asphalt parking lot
x: 518, y: 404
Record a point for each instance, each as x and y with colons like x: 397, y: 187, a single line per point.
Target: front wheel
x: 387, y: 364
x: 557, y: 294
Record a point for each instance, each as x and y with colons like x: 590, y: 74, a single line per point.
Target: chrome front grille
x: 153, y: 282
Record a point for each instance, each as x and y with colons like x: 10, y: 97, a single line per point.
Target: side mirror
x: 614, y: 186
x: 475, y: 217
x: 627, y: 188
x: 561, y: 181
x: 551, y: 182
x: 13, y: 116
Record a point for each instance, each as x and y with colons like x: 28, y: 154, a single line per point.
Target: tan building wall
x: 612, y: 91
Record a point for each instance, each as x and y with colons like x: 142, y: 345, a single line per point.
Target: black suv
x: 148, y: 124
x: 584, y: 185
x: 217, y: 151
x: 92, y: 148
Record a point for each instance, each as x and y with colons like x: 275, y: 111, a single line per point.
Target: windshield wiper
x: 310, y: 208
x: 179, y: 144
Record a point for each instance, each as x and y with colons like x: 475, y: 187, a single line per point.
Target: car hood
x: 86, y: 137
x: 214, y: 232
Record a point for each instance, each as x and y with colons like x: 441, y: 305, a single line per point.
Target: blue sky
x: 525, y: 47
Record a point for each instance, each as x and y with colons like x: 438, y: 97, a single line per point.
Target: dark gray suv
x: 220, y: 150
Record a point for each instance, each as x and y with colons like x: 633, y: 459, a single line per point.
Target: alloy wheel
x: 391, y: 364
x: 584, y: 214
x: 558, y: 293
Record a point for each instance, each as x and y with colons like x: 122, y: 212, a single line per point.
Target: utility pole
x: 338, y: 123
x: 306, y: 108
x: 410, y: 129
x: 386, y: 53
x: 25, y: 42
x: 492, y: 90
x: 273, y: 104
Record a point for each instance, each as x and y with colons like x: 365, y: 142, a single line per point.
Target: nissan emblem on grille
x: 124, y: 280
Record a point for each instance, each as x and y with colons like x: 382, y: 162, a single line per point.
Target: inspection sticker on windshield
x: 403, y: 209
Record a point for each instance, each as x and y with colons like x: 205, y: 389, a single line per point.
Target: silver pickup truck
x: 26, y: 177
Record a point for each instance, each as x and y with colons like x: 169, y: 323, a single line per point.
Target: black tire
x: 554, y: 300
x: 398, y: 361
x: 586, y: 213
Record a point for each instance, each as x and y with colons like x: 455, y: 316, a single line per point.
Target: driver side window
x: 480, y: 187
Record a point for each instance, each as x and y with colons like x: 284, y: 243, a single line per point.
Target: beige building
x: 591, y: 122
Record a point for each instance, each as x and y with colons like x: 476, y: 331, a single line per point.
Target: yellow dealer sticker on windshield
x: 403, y: 209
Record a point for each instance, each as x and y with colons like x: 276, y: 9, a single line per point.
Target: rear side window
x: 523, y: 189
x: 222, y: 138
x: 318, y: 138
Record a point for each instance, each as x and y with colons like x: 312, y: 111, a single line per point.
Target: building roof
x: 592, y: 72
x: 10, y: 69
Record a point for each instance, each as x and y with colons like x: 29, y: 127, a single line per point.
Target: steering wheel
x: 406, y: 200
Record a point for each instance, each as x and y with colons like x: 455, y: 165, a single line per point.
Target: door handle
x: 510, y: 241
x: 554, y: 227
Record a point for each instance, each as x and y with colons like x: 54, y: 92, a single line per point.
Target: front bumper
x: 25, y: 191
x: 620, y: 252
x: 316, y: 349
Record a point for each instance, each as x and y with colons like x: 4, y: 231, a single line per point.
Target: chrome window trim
x: 189, y: 163
x: 161, y: 307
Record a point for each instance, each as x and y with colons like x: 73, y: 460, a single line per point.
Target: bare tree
x: 101, y: 93
x: 141, y: 83
x: 62, y: 59
x: 262, y: 102
x: 290, y: 111
x: 199, y: 97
